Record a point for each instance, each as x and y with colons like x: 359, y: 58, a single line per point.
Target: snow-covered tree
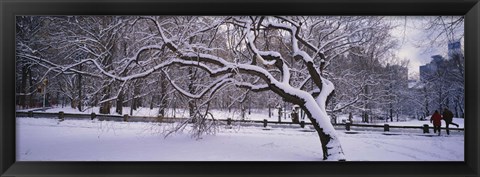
x: 28, y: 31
x: 200, y: 56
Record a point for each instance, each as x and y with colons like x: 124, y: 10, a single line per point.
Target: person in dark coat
x: 436, y: 119
x: 294, y: 116
x: 448, y: 117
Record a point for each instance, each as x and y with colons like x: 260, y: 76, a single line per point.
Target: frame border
x: 10, y: 8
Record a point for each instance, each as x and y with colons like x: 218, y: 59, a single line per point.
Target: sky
x: 410, y: 35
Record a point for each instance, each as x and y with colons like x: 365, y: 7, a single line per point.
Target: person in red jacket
x: 437, y: 122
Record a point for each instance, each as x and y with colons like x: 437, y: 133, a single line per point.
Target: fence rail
x: 127, y: 118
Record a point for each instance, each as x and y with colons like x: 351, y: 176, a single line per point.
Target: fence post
x: 386, y: 127
x: 229, y: 121
x: 425, y: 128
x: 61, y: 115
x: 279, y: 114
x: 347, y: 126
x: 302, y: 124
x: 30, y: 113
x: 92, y: 116
x: 265, y: 122
x: 125, y: 117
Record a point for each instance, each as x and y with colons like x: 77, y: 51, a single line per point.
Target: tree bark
x: 32, y: 88
x: 365, y: 113
x: 191, y: 89
x: 105, y: 107
x: 80, y: 89
x: 23, y: 88
x: 163, y: 95
x: 152, y: 101
x: 136, y: 92
x: 391, y: 112
x: 119, y: 108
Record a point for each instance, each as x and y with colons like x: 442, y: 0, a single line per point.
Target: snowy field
x: 42, y: 139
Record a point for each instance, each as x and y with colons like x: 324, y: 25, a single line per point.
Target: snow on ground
x: 42, y: 139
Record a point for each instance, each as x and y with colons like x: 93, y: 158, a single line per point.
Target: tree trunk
x: 80, y: 89
x: 136, y: 92
x: 163, y: 95
x: 191, y: 107
x: 105, y: 107
x: 73, y: 103
x: 456, y: 111
x: 164, y: 104
x: 132, y: 104
x: 32, y: 88
x: 191, y: 89
x: 119, y: 108
x: 330, y: 144
x: 152, y: 101
x: 364, y: 113
x: 57, y: 98
x: 269, y: 111
x: 23, y: 89
x: 391, y: 112
x: 458, y: 107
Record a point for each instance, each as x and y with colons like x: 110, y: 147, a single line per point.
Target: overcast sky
x: 410, y: 34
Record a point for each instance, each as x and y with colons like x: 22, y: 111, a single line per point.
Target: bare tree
x: 28, y: 30
x: 449, y: 80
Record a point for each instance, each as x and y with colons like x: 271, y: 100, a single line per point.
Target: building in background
x: 438, y: 61
x: 428, y: 70
x: 454, y: 49
x: 441, y: 82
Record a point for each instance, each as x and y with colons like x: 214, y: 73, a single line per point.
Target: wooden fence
x: 127, y: 118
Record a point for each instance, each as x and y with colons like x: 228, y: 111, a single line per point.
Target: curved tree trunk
x: 331, y: 147
x: 314, y: 108
x: 330, y: 144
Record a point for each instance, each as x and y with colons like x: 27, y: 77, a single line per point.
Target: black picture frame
x: 9, y: 9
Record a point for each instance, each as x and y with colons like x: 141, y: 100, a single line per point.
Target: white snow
x: 43, y: 139
x: 327, y: 88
